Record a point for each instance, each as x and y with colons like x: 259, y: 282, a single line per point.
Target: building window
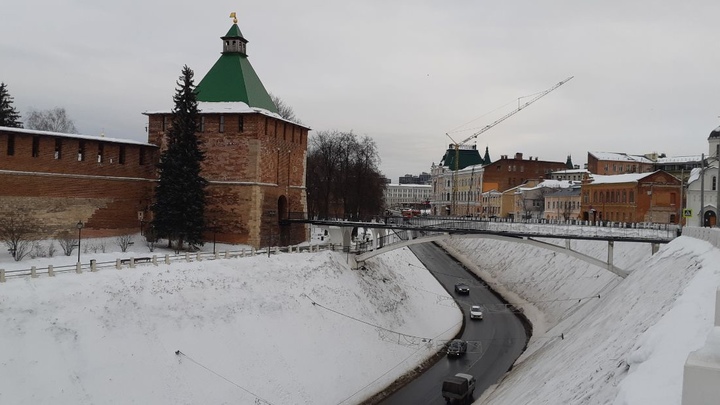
x: 164, y: 123
x: 36, y: 146
x: 141, y: 158
x: 101, y: 150
x: 222, y: 124
x: 202, y: 124
x: 81, y: 151
x: 240, y: 123
x: 672, y: 199
x: 714, y: 182
x: 11, y: 145
x: 121, y: 155
x: 632, y: 197
x: 58, y: 148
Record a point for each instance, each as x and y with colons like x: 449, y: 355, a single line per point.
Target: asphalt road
x: 493, y: 343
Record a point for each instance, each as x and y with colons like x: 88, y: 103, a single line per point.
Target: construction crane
x: 457, y: 145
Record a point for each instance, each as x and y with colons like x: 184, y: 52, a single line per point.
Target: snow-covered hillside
x: 246, y: 329
x: 626, y: 347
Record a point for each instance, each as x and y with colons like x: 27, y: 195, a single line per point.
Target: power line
x: 179, y: 353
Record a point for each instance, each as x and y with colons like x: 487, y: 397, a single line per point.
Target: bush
x: 67, y: 242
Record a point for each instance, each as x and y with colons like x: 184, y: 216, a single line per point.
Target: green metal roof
x: 467, y: 157
x: 233, y: 78
x: 234, y: 32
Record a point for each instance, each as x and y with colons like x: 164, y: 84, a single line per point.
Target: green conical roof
x: 233, y: 78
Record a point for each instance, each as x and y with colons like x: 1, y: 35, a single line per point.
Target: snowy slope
x: 247, y: 331
x: 626, y: 347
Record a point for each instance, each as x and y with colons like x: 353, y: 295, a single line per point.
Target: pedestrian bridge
x: 369, y: 239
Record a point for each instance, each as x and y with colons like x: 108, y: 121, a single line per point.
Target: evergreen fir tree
x: 569, y: 163
x: 486, y: 159
x: 9, y: 117
x: 179, y: 206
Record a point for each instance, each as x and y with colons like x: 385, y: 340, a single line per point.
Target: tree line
x: 343, y: 178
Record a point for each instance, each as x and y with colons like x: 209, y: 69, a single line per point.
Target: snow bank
x: 627, y: 347
x: 289, y: 329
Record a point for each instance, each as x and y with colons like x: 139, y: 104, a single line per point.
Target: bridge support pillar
x: 567, y: 244
x: 611, y: 245
x: 655, y: 247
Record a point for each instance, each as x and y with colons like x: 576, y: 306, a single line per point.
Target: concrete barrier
x: 701, y: 376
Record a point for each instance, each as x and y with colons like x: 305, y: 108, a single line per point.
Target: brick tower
x: 255, y: 160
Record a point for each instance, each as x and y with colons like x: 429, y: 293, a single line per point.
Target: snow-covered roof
x: 549, y: 184
x: 74, y: 136
x: 233, y: 107
x: 680, y: 159
x: 571, y: 171
x: 411, y: 185
x: 617, y: 178
x: 620, y: 157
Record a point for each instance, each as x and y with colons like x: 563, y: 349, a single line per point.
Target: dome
x: 715, y: 133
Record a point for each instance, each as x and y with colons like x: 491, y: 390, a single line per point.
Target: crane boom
x: 517, y: 110
x: 453, y: 202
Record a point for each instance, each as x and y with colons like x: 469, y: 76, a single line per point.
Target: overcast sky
x: 647, y: 73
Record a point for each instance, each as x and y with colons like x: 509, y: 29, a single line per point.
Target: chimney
x: 518, y: 156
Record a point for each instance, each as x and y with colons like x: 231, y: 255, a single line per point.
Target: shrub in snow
x: 67, y: 242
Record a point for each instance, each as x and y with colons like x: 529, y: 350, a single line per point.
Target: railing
x: 132, y: 262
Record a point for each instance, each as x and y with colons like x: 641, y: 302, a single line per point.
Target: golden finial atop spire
x: 234, y: 17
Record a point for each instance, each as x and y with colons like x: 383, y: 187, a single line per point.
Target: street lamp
x: 79, y: 228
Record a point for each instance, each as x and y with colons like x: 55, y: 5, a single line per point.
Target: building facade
x: 399, y: 196
x: 507, y: 172
x: 610, y: 163
x: 634, y: 197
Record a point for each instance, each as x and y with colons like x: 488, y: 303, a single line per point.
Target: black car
x: 457, y: 347
x: 462, y: 288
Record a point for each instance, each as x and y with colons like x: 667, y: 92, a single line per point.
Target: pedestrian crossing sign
x: 687, y: 213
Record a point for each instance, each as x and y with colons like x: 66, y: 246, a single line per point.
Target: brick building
x: 609, y: 163
x: 633, y: 197
x: 254, y: 161
x: 506, y: 172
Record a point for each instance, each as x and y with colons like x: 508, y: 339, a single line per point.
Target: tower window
x: 142, y: 156
x: 36, y: 146
x: 240, y: 123
x: 81, y: 151
x: 121, y: 155
x: 11, y: 145
x: 101, y: 150
x: 164, y: 123
x: 202, y: 124
x: 222, y: 123
x: 58, y: 148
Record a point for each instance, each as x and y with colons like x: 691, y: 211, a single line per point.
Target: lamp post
x: 79, y: 228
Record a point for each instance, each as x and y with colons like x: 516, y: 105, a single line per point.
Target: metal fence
x: 131, y: 262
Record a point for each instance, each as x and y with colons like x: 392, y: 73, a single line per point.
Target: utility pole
x: 702, y: 190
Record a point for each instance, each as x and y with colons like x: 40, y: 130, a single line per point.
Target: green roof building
x: 233, y: 78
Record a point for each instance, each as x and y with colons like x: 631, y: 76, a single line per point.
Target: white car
x: 476, y: 312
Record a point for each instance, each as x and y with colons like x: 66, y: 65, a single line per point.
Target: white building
x: 406, y: 195
x: 705, y: 179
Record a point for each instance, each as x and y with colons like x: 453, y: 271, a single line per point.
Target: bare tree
x: 284, y: 109
x: 54, y: 120
x: 345, y: 180
x: 18, y: 231
x: 67, y: 242
x: 124, y: 241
